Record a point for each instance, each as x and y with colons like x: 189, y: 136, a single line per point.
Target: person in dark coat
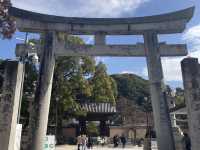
x: 90, y: 143
x: 116, y: 141
x: 123, y: 140
x: 186, y: 141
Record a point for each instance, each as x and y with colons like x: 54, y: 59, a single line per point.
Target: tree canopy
x: 132, y: 87
x: 104, y: 88
x: 133, y: 98
x: 179, y: 97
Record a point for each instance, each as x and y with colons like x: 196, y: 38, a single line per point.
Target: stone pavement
x: 67, y: 147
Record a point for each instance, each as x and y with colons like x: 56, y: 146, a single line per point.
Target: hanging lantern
x: 7, y: 23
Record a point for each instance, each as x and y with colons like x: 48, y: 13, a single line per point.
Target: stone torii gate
x: 149, y: 27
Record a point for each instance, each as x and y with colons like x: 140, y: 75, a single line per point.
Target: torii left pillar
x: 43, y: 93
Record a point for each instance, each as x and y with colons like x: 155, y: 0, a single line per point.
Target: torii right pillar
x: 162, y: 120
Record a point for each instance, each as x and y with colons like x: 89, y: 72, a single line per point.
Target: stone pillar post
x: 9, y: 103
x: 100, y: 39
x: 191, y: 78
x: 158, y: 97
x: 43, y: 93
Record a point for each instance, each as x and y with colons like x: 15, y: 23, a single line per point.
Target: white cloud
x: 99, y: 59
x: 172, y: 69
x: 145, y: 72
x: 127, y: 72
x: 171, y: 66
x: 170, y: 73
x: 89, y: 40
x: 82, y: 8
x: 192, y: 36
x: 132, y: 72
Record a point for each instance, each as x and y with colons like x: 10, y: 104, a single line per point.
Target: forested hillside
x: 132, y: 87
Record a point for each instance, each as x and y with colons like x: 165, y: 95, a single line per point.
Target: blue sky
x: 120, y: 8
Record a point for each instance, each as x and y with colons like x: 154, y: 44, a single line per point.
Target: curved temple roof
x: 166, y: 23
x: 99, y: 107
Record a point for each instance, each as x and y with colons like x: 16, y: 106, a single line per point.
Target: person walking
x: 186, y: 142
x: 98, y: 140
x: 103, y: 141
x: 123, y: 140
x: 116, y: 141
x: 79, y: 142
x: 84, y: 142
x: 90, y: 142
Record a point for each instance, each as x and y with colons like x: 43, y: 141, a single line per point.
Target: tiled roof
x: 99, y: 107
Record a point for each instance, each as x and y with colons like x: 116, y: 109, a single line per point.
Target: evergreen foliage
x: 179, y: 97
x: 132, y: 87
x: 104, y: 88
x: 92, y: 129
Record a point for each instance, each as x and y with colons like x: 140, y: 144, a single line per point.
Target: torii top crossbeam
x: 162, y: 24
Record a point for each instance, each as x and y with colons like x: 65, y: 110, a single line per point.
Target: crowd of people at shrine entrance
x: 86, y: 142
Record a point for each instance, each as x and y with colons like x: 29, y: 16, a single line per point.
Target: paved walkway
x: 67, y: 147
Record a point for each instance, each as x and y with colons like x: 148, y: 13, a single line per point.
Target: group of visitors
x: 84, y: 142
x: 117, y: 140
